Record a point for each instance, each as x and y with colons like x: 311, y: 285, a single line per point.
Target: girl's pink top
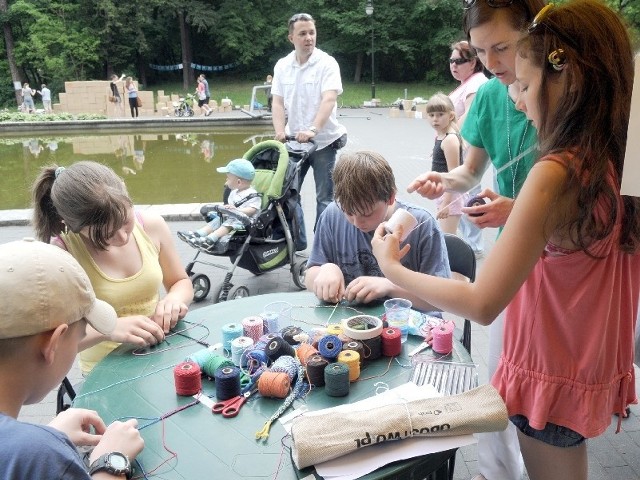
x: 568, y: 336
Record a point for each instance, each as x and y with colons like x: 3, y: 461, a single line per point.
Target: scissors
x: 231, y: 407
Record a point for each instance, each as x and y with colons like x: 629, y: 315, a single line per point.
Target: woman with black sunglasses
x: 498, y: 134
x: 468, y: 70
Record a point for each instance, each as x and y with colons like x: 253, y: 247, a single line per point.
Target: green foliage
x: 13, y: 116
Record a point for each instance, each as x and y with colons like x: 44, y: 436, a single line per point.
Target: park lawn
x: 354, y: 95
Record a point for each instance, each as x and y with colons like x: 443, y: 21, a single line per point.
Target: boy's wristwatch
x: 313, y: 129
x: 115, y: 463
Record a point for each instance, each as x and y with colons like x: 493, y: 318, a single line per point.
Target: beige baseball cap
x: 42, y: 287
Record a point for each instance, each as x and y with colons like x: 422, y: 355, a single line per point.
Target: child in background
x: 47, y: 302
x: 567, y: 261
x: 447, y: 155
x: 244, y: 198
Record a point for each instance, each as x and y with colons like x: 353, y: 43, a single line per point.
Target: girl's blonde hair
x: 440, y: 103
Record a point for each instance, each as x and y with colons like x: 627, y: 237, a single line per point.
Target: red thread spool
x: 274, y: 384
x: 186, y: 376
x: 442, y: 338
x: 391, y: 342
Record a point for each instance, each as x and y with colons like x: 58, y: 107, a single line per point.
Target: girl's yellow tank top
x: 134, y: 295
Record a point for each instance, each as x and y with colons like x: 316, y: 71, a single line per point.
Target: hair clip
x: 59, y: 170
x: 557, y: 59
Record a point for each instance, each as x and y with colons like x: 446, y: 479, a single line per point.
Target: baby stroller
x: 184, y: 106
x: 271, y: 237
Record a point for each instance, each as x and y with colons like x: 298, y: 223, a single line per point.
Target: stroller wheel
x: 298, y: 271
x: 191, y: 112
x: 218, y: 294
x: 238, y: 292
x: 201, y: 286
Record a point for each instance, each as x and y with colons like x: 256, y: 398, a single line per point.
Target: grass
x: 354, y: 95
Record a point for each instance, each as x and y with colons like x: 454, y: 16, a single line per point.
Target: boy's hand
x: 137, y: 330
x: 329, y: 283
x: 122, y: 437
x: 367, y: 289
x: 77, y: 424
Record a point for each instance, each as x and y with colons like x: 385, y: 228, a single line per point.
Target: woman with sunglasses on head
x: 468, y: 70
x: 498, y: 134
x: 566, y: 265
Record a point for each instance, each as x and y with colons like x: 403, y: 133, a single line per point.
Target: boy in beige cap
x: 46, y: 303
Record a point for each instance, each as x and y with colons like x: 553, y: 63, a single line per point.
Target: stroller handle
x: 232, y: 212
x: 302, y: 152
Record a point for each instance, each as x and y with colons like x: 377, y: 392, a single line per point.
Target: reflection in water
x: 157, y: 168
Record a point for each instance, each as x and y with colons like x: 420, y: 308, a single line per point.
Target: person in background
x: 27, y: 98
x: 132, y: 93
x: 468, y: 70
x: 201, y: 93
x: 306, y: 85
x: 207, y: 92
x: 128, y: 255
x: 341, y: 264
x: 447, y: 155
x: 500, y: 135
x: 47, y: 304
x: 115, y: 93
x: 268, y: 81
x: 566, y: 264
x: 45, y: 93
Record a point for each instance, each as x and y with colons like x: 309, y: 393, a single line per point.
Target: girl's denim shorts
x: 553, y: 434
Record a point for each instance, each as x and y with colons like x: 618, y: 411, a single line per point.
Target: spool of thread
x: 372, y: 348
x: 238, y: 347
x: 270, y: 322
x: 213, y: 363
x: 391, y: 342
x: 336, y: 380
x: 201, y: 356
x: 334, y: 329
x: 356, y: 346
x: 443, y: 338
x: 256, y: 359
x: 315, y: 369
x: 289, y: 332
x: 288, y: 365
x: 279, y: 347
x: 229, y: 332
x: 304, y: 351
x: 227, y: 382
x: 330, y: 347
x: 253, y: 327
x: 351, y: 359
x: 186, y: 376
x: 274, y: 384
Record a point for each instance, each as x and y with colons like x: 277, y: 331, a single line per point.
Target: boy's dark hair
x: 362, y: 179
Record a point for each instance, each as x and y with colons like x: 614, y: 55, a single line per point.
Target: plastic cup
x: 397, y: 312
x: 278, y: 314
x: 404, y: 218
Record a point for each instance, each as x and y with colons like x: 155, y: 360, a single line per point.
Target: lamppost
x: 369, y: 11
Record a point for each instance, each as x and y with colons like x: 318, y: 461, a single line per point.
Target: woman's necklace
x: 519, y: 154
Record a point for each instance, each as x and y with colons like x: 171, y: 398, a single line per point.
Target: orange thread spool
x: 274, y: 384
x: 304, y: 351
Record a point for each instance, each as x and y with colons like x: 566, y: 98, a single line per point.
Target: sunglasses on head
x: 459, y: 61
x: 305, y: 17
x: 467, y: 4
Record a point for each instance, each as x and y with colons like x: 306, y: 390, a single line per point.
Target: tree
x: 9, y: 48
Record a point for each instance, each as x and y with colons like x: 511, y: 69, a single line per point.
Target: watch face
x: 117, y: 461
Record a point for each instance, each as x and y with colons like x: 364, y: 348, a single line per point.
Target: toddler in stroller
x: 267, y: 240
x: 242, y: 199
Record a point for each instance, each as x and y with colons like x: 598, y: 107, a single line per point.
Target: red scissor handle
x: 231, y: 407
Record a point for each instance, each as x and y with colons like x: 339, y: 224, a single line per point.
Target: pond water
x: 157, y: 168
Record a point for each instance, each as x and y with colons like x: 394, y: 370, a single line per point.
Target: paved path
x: 406, y: 143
